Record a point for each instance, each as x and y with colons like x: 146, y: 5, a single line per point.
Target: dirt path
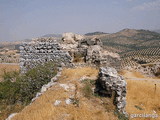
x: 132, y: 75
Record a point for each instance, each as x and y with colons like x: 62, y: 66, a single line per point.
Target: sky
x: 25, y: 19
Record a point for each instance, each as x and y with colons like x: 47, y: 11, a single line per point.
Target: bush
x: 17, y: 88
x: 9, y: 92
x: 10, y: 76
x: 34, y: 79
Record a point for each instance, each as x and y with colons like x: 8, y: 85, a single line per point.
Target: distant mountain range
x: 95, y: 33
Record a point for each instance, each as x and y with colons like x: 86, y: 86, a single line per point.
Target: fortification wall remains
x: 109, y: 83
x: 39, y: 52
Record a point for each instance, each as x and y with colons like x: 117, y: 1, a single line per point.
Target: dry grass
x: 7, y: 68
x: 141, y: 95
x: 144, y: 95
x: 141, y: 98
x: 89, y: 109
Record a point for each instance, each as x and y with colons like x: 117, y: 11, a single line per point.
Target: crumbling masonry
x: 110, y: 84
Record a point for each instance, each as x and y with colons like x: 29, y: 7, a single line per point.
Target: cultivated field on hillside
x: 142, y: 56
x: 128, y: 40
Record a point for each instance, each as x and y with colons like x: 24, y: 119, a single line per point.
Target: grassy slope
x: 139, y: 93
x: 89, y: 109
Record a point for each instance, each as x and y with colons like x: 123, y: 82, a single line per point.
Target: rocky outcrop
x: 90, y: 49
x: 71, y: 38
x: 110, y: 84
x: 151, y: 70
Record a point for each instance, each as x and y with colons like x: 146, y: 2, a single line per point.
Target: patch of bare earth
x: 65, y: 100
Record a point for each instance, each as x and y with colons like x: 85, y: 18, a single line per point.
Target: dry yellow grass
x: 144, y: 95
x: 131, y: 74
x: 89, y: 109
x: 7, y: 68
x: 141, y: 94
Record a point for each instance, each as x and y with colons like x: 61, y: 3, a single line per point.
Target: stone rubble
x: 57, y: 102
x: 68, y: 101
x: 150, y: 70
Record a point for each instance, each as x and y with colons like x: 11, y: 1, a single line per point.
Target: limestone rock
x: 11, y: 116
x: 71, y: 38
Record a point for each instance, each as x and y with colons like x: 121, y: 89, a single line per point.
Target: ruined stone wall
x: 41, y: 51
x: 109, y: 84
x: 72, y: 48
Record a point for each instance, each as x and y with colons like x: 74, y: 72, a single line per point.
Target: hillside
x: 158, y: 31
x: 140, y: 57
x: 53, y: 35
x: 70, y: 99
x: 95, y: 33
x: 129, y: 39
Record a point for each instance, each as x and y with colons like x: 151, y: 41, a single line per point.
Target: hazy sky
x: 21, y: 19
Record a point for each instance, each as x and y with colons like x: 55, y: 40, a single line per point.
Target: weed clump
x: 87, y: 89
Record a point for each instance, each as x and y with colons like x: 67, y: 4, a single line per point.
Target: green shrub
x: 21, y: 88
x: 9, y: 92
x: 34, y: 79
x: 10, y: 76
x: 17, y: 90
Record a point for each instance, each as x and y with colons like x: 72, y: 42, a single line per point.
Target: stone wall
x: 40, y: 51
x: 109, y: 84
x: 71, y: 48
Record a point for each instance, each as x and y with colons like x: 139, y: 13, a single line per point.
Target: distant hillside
x: 158, y: 31
x: 130, y: 39
x: 139, y: 57
x: 53, y: 35
x: 95, y: 33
